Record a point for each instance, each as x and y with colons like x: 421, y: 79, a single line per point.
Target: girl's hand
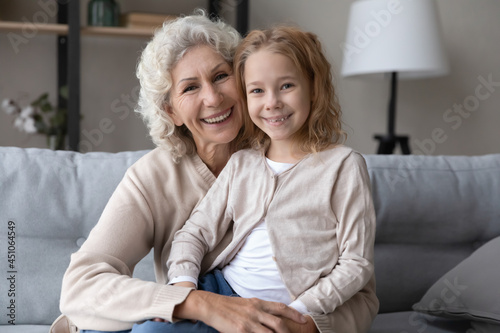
x: 185, y: 284
x: 239, y: 315
x: 309, y: 327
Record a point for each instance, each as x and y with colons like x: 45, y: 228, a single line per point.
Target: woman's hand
x: 239, y: 315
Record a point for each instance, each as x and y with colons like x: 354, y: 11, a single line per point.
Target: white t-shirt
x: 253, y: 271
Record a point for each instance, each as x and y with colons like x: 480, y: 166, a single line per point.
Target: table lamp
x: 399, y: 37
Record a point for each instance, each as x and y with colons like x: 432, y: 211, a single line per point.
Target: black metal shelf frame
x: 69, y: 59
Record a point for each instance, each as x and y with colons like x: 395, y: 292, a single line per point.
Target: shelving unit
x: 62, y: 30
x: 69, y: 31
x: 7, y: 26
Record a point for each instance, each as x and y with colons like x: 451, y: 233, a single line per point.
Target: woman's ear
x: 170, y: 111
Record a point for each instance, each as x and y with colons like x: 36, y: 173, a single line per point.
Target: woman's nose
x: 212, y: 97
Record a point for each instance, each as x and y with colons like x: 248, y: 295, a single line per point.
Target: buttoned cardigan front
x: 320, y: 220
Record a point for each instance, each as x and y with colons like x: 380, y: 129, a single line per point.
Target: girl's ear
x: 170, y: 111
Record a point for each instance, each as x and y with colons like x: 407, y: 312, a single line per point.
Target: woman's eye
x: 221, y: 76
x: 190, y: 88
x: 287, y: 86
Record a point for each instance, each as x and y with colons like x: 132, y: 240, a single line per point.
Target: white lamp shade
x: 401, y: 36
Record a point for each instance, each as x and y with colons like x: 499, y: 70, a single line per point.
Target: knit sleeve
x: 354, y: 316
x: 98, y: 291
x: 352, y: 205
x: 205, y: 228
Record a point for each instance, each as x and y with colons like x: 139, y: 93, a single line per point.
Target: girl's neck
x: 284, y: 152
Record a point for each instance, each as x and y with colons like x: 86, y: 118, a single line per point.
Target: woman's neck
x: 215, y: 157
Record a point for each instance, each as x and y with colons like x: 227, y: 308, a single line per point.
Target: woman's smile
x: 219, y: 117
x: 205, y: 98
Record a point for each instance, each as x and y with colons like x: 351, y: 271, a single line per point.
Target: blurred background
x: 456, y: 114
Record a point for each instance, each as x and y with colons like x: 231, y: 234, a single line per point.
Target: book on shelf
x: 144, y: 20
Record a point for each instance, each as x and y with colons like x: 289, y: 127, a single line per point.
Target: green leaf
x: 64, y: 92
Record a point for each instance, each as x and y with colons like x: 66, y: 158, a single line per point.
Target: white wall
x: 471, y: 32
x: 472, y: 37
x: 108, y: 82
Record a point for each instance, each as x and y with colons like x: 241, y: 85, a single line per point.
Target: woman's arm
x: 98, y: 291
x: 236, y: 314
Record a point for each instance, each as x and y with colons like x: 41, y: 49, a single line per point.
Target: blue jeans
x: 214, y: 282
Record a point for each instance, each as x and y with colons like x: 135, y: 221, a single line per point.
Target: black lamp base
x: 388, y: 144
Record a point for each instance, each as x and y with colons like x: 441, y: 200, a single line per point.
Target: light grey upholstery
x: 54, y: 198
x: 432, y: 212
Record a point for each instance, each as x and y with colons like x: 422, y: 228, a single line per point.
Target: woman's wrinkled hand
x: 239, y: 315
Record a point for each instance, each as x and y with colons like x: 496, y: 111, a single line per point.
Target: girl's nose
x: 273, y: 101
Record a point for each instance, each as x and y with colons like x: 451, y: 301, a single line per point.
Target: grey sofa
x: 432, y: 213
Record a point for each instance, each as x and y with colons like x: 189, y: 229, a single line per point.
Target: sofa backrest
x: 432, y: 212
x: 49, y: 202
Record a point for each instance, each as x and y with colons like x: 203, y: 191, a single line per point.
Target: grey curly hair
x: 160, y: 56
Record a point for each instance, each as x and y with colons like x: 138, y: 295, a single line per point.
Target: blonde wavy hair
x: 323, y: 126
x: 163, y: 52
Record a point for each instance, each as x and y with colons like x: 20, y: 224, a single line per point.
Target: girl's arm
x: 352, y: 204
x: 205, y: 228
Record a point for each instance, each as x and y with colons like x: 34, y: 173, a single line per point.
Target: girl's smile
x: 278, y: 96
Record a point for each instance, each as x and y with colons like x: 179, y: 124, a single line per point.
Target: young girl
x: 304, y: 222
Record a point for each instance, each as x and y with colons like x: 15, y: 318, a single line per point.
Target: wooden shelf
x: 20, y: 27
x: 117, y: 31
x: 69, y: 33
x: 62, y: 29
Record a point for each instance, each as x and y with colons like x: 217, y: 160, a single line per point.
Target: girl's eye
x: 287, y: 86
x: 256, y: 91
x: 221, y: 76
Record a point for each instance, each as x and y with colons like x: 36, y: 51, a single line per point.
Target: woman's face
x: 204, y: 97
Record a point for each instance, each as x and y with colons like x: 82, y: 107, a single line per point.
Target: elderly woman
x: 190, y: 103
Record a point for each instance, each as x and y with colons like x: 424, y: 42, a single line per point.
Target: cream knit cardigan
x: 152, y: 202
x: 320, y: 220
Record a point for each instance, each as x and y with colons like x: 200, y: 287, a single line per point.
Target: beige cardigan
x: 320, y: 220
x: 152, y: 202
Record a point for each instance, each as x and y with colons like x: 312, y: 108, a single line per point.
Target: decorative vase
x: 103, y: 13
x: 56, y: 142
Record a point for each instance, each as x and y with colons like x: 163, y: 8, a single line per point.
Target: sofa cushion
x: 435, y: 199
x: 51, y: 199
x: 432, y: 213
x: 470, y: 290
x: 415, y: 322
x: 25, y: 329
x: 482, y: 327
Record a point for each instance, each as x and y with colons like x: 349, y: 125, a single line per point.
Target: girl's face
x: 278, y: 95
x: 204, y: 97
